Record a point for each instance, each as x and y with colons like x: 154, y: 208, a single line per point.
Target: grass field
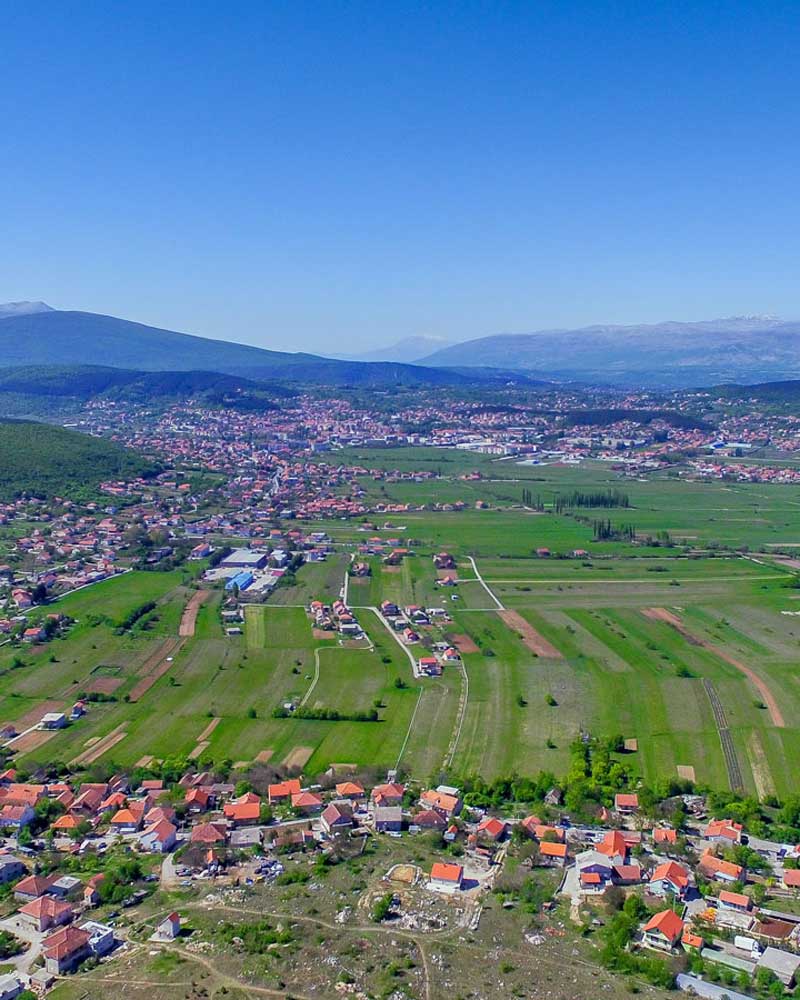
x: 612, y: 666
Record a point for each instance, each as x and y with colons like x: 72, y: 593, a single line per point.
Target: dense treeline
x: 605, y: 531
x: 604, y: 417
x: 133, y: 616
x: 577, y: 498
x: 325, y: 714
x: 599, y: 498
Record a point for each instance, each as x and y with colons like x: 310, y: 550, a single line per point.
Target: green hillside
x: 53, y: 391
x: 44, y: 460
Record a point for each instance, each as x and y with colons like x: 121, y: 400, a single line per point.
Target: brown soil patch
x: 240, y: 765
x: 535, y: 642
x: 145, y: 761
x: 154, y: 667
x: 442, y: 574
x: 322, y: 633
x: 189, y: 616
x: 631, y: 745
x: 463, y: 643
x: 343, y: 768
x: 201, y: 746
x: 106, y: 743
x: 34, y: 715
x: 686, y: 771
x: 30, y: 741
x: 403, y: 873
x: 208, y: 730
x: 661, y: 614
x: 105, y: 685
x: 91, y: 742
x: 298, y: 757
x: 264, y: 756
x: 392, y: 569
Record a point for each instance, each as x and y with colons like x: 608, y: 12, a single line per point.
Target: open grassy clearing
x: 315, y: 581
x: 618, y: 672
x: 608, y: 569
x: 698, y: 511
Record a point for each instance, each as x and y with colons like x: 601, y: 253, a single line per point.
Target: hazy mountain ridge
x: 56, y: 337
x: 737, y: 349
x: 406, y: 351
x: 23, y: 308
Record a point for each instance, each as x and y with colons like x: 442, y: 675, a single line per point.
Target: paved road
x: 169, y: 877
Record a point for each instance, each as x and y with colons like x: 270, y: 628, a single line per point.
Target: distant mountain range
x: 739, y: 349
x: 406, y: 351
x: 664, y: 355
x: 34, y: 334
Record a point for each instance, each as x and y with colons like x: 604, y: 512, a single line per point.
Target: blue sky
x: 335, y: 176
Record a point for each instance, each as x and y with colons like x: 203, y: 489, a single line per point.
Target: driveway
x: 25, y: 932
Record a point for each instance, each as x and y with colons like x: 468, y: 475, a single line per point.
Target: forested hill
x: 43, y: 460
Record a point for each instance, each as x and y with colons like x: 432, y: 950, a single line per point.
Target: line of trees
x: 325, y: 714
x: 605, y: 531
x: 598, y: 498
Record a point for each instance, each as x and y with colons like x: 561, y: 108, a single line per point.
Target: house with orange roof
x: 282, y: 791
x: 429, y: 819
x: 629, y: 874
x: 491, y: 828
x: 663, y: 931
x: 735, y: 901
x: 115, y: 801
x: 390, y: 794
x: 65, y: 949
x: 446, y: 877
x: 129, y: 819
x: 16, y: 817
x: 20, y: 794
x: 44, y: 913
x: 626, y: 803
x: 350, y: 790
x: 723, y: 831
x: 66, y: 824
x: 614, y: 846
x: 443, y: 802
x: 719, y: 869
x: 691, y: 940
x: 534, y: 827
x: 591, y: 882
x: 242, y: 813
x: 33, y: 886
x: 337, y: 817
x: 791, y: 878
x: 553, y: 853
x: 669, y: 879
x: 197, y: 800
x: 664, y: 835
x: 307, y: 803
x: 209, y: 833
x: 160, y: 836
x: 91, y: 893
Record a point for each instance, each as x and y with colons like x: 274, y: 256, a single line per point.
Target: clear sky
x: 335, y: 176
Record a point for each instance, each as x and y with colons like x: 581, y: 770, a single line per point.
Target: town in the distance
x: 391, y: 681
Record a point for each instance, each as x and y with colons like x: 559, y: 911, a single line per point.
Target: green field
x: 620, y: 668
